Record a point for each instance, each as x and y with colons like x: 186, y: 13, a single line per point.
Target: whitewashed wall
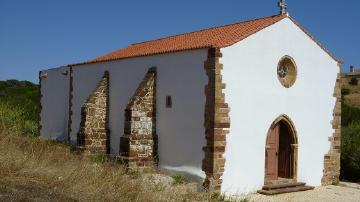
x: 180, y: 128
x: 54, y: 102
x: 256, y: 98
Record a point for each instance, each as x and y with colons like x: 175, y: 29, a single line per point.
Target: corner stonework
x: 93, y: 135
x: 70, y: 102
x: 331, y: 170
x: 217, y: 122
x: 138, y: 145
x: 39, y: 104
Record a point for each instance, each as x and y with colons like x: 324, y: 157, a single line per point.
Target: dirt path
x: 319, y: 194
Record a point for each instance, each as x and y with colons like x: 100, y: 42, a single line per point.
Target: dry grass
x: 35, y: 170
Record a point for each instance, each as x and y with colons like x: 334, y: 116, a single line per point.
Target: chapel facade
x: 254, y: 105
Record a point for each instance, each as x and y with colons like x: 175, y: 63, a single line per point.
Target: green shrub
x: 12, y: 83
x: 345, y: 91
x: 26, y: 84
x: 179, y: 179
x: 99, y: 159
x: 2, y: 85
x: 217, y: 196
x: 353, y: 81
x: 19, y: 106
x: 349, y: 114
x: 17, y: 119
x: 350, y: 152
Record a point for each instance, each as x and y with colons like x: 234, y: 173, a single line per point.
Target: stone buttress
x: 138, y: 145
x: 93, y: 135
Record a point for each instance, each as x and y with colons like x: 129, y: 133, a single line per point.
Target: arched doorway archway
x: 281, y: 151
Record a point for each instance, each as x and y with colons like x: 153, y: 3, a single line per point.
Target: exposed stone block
x: 93, y: 135
x: 138, y: 145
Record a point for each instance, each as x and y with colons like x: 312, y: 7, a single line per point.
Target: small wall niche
x: 168, y: 101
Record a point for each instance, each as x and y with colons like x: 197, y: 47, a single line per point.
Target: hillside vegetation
x: 350, y: 133
x: 35, y: 170
x: 19, y: 106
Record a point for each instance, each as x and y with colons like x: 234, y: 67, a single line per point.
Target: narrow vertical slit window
x: 168, y: 102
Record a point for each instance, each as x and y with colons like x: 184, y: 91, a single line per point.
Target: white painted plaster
x: 180, y: 128
x: 256, y: 98
x: 192, y: 173
x: 54, y: 102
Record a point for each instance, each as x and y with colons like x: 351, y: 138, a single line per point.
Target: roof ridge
x: 210, y: 28
x: 283, y: 16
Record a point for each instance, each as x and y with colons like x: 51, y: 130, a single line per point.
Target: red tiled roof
x: 217, y: 37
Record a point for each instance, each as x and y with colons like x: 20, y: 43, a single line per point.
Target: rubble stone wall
x: 138, y: 145
x: 93, y: 136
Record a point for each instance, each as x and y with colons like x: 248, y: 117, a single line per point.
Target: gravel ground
x: 342, y: 193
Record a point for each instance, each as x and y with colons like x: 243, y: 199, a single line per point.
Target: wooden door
x: 284, y: 154
x: 271, y: 156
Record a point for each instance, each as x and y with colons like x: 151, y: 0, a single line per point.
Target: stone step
x: 285, y: 190
x: 280, y: 181
x: 282, y: 185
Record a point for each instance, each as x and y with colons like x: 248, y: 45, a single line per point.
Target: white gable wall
x: 256, y: 98
x: 54, y: 102
x: 180, y: 129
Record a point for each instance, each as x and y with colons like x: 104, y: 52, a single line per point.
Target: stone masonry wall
x: 331, y: 170
x: 217, y: 122
x: 138, y: 145
x: 93, y: 136
x: 39, y: 104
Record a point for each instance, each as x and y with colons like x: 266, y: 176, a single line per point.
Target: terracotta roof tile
x: 217, y: 37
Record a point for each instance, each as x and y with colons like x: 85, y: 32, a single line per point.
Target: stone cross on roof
x: 283, y: 7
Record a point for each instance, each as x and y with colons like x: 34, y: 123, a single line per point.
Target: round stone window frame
x: 291, y: 71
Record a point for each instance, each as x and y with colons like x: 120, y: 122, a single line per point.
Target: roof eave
x: 136, y: 56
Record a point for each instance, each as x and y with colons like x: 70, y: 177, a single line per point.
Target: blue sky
x: 42, y: 34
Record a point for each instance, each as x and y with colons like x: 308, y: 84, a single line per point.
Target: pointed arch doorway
x: 281, y: 151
